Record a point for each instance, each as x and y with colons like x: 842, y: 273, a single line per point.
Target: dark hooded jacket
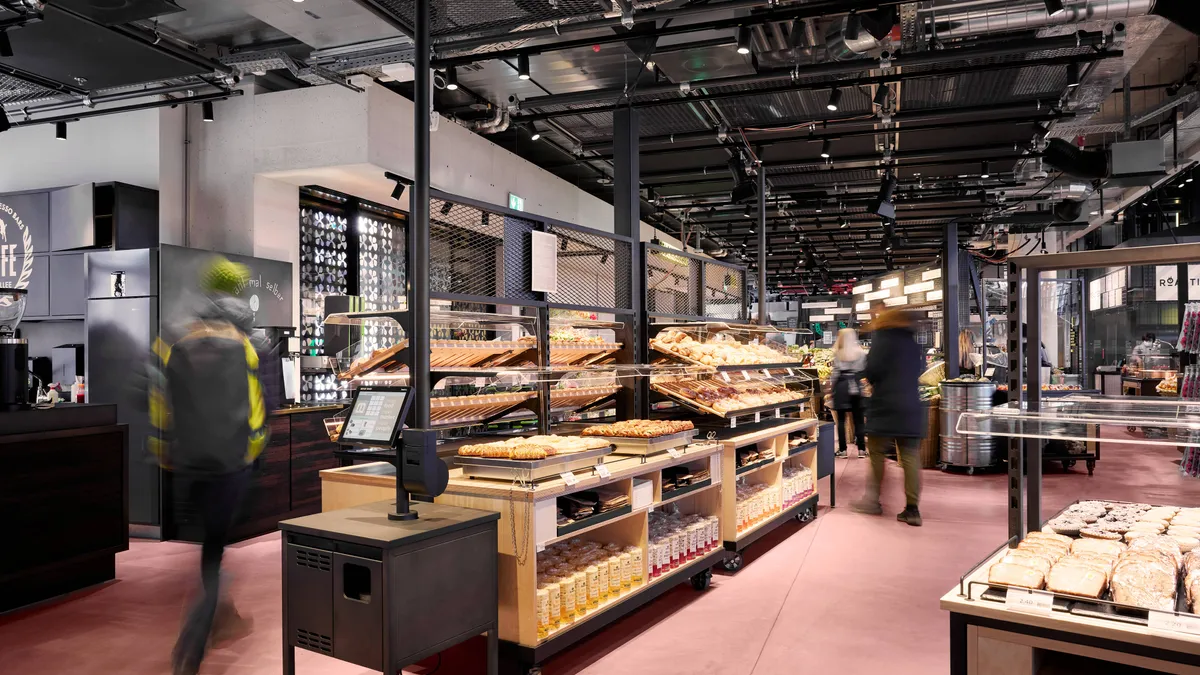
x: 894, y: 366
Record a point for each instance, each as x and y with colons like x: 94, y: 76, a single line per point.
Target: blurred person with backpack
x: 849, y: 359
x: 206, y: 402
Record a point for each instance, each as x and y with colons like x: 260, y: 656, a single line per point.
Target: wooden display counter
x: 988, y: 638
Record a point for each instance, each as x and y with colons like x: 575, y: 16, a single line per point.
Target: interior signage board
x: 269, y: 290
x: 516, y: 203
x: 24, y: 225
x: 1166, y: 286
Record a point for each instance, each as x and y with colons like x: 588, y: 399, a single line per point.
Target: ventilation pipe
x: 973, y: 18
x: 498, y: 122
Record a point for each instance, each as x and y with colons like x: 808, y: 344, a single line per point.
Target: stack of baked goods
x: 1191, y: 580
x: 532, y: 447
x: 1147, y: 573
x: 639, y: 428
x: 1086, y: 569
x: 1027, y: 565
x: 726, y: 397
x: 716, y: 351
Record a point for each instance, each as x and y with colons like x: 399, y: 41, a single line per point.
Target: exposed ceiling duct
x: 971, y: 18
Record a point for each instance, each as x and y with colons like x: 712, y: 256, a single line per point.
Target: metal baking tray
x: 650, y: 446
x: 530, y: 469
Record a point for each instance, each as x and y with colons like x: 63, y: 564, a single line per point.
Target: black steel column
x: 762, y: 245
x: 419, y: 220
x: 1033, y: 397
x: 634, y: 399
x: 950, y: 286
x: 1016, y: 454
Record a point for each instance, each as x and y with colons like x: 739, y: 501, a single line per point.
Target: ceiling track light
x: 60, y: 131
x: 842, y: 223
x: 6, y: 50
x: 985, y: 170
x: 523, y: 66
x: 881, y: 95
x: 835, y: 97
x: 826, y: 149
x: 743, y: 40
x: 452, y: 78
x: 534, y: 134
x: 5, y: 125
x: 206, y: 109
x: 746, y: 211
x: 1053, y: 7
x: 1072, y: 75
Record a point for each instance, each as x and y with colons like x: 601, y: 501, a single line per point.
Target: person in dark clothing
x: 895, y: 416
x: 206, y: 402
x: 848, y: 363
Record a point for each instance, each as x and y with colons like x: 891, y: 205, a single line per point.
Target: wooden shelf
x: 611, y: 519
x: 676, y: 495
x: 755, y: 533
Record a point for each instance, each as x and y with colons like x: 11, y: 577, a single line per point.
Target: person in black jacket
x: 895, y: 416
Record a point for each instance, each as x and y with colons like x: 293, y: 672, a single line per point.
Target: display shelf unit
x: 527, y: 525
x: 770, y: 472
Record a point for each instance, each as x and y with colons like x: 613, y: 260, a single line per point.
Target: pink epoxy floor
x: 846, y: 593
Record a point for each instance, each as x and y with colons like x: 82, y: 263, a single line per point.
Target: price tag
x: 726, y: 376
x: 790, y: 373
x: 1025, y: 600
x: 733, y: 422
x: 1176, y: 623
x: 540, y: 547
x: 602, y: 471
x: 778, y: 414
x: 757, y: 417
x: 675, y: 453
x: 745, y: 375
x: 569, y: 478
x: 766, y: 373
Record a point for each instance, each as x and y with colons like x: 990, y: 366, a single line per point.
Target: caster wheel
x: 1091, y: 466
x: 806, y: 515
x: 534, y: 671
x: 942, y: 466
x: 970, y: 471
x: 702, y: 580
x: 733, y: 563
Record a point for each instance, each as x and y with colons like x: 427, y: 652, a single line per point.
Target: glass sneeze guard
x: 1078, y: 417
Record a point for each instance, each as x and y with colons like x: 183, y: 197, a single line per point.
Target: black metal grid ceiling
x: 460, y: 16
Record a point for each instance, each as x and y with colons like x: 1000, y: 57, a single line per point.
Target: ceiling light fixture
x: 5, y: 45
x: 523, y: 66
x: 746, y: 212
x: 818, y: 207
x: 842, y: 223
x: 882, y: 92
x: 5, y: 125
x: 60, y: 131
x: 452, y: 78
x: 1189, y: 178
x: 826, y: 147
x: 743, y: 40
x: 534, y: 134
x: 1053, y: 6
x: 1072, y: 75
x: 206, y: 109
x: 447, y: 207
x: 835, y: 97
x: 985, y: 170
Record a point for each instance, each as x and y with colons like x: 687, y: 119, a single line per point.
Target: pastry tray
x: 530, y: 469
x: 649, y: 446
x: 573, y: 399
x: 462, y: 410
x: 700, y: 407
x: 568, y: 354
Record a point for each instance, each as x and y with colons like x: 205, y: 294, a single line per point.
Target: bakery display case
x: 741, y: 394
x: 724, y: 346
x: 579, y: 341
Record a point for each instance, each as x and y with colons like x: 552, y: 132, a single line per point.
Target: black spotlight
x: 842, y: 223
x: 60, y: 131
x: 746, y: 211
x: 835, y: 97
x: 891, y: 265
x: 4, y: 123
x: 1072, y: 74
x: 985, y: 170
x: 5, y: 45
x: 882, y: 204
x: 881, y: 95
x: 743, y: 40
x: 818, y: 223
x: 523, y: 66
x: 1053, y: 6
x: 206, y: 110
x: 398, y: 191
x: 452, y: 78
x: 826, y: 148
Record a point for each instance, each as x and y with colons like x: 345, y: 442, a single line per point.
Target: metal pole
x: 1016, y: 456
x: 762, y: 245
x: 950, y: 286
x: 633, y: 400
x: 1033, y: 395
x: 1128, y: 108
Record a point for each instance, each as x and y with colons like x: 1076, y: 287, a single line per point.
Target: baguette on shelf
x: 639, y: 428
x: 531, y: 447
x: 728, y: 397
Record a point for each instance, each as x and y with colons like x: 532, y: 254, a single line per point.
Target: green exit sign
x: 515, y: 203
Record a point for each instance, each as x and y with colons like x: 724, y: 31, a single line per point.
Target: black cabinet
x: 37, y: 303
x: 103, y: 215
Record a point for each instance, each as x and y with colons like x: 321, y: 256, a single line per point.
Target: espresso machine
x: 14, y: 352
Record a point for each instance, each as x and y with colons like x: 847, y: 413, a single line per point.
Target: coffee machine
x: 14, y: 352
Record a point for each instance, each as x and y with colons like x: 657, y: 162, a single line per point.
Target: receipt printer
x: 422, y: 471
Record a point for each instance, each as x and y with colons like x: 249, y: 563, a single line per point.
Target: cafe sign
x: 16, y: 251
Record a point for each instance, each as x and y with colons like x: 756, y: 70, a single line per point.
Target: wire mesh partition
x: 725, y: 292
x: 594, y: 269
x: 477, y: 251
x: 672, y: 282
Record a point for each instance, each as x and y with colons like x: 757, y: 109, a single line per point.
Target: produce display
x: 639, y: 429
x: 531, y: 447
x: 814, y: 357
x: 1131, y: 554
x: 756, y: 503
x: 798, y: 485
x: 578, y: 576
x: 716, y: 351
x: 676, y: 539
x: 1045, y: 387
x: 726, y: 397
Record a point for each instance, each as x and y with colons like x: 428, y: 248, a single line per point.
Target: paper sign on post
x: 1176, y: 623
x: 1025, y: 600
x: 569, y: 478
x: 603, y: 471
